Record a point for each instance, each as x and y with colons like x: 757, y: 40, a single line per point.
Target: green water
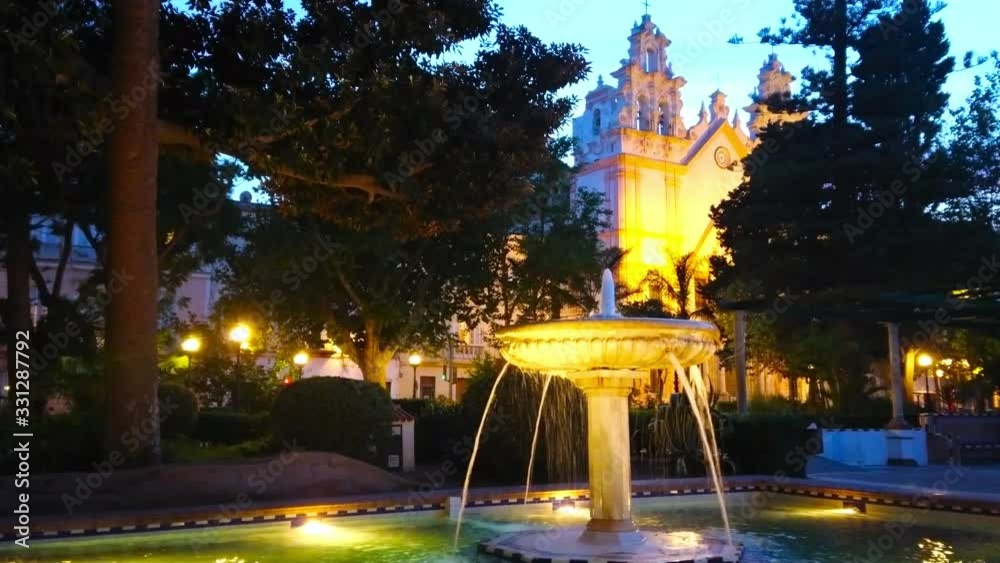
x: 785, y: 529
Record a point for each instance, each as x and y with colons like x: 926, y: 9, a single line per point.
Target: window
x: 427, y: 384
x: 650, y: 61
x: 597, y: 120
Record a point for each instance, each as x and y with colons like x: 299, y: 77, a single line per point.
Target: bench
x: 962, y: 438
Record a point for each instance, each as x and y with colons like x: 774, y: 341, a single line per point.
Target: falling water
x: 534, y: 439
x: 475, y: 451
x: 704, y: 428
x: 698, y: 382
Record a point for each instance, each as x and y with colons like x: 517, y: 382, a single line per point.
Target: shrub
x: 506, y: 441
x: 230, y: 427
x: 334, y: 414
x: 68, y: 442
x: 182, y: 420
x: 767, y: 444
x: 438, y: 427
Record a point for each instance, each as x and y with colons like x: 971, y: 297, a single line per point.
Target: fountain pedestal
x: 610, y: 466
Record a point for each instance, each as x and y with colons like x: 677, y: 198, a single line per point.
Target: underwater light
x: 570, y: 509
x: 858, y: 506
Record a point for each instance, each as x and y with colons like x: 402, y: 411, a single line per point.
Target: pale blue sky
x: 700, y: 31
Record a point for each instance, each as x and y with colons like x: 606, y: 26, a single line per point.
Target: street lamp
x: 926, y: 361
x: 301, y: 359
x: 240, y: 334
x: 190, y: 345
x: 415, y: 361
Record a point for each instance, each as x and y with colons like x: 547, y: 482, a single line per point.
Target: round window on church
x: 723, y: 158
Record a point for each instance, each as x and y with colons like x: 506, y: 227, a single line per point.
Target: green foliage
x: 229, y: 427
x: 439, y: 426
x: 766, y: 444
x: 69, y: 442
x: 215, y: 380
x: 334, y: 414
x: 670, y: 441
x: 843, y: 203
x: 187, y: 450
x: 183, y: 418
x: 550, y: 256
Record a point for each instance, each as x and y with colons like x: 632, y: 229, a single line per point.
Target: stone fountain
x: 604, y: 354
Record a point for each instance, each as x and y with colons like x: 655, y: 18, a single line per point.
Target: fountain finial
x: 606, y: 300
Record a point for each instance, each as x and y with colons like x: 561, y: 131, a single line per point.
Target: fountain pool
x: 787, y: 529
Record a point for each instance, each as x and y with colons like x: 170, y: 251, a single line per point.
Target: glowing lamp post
x: 926, y: 361
x: 301, y: 359
x: 240, y: 334
x: 415, y: 361
x: 190, y: 345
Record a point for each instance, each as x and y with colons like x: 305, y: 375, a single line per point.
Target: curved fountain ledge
x: 564, y: 545
x: 604, y: 355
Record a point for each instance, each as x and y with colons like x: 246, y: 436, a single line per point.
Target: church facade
x: 659, y: 176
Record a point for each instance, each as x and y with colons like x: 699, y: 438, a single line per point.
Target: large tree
x: 848, y: 207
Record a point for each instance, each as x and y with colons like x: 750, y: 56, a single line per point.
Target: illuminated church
x: 660, y: 177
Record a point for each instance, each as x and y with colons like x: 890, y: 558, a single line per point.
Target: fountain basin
x: 571, y: 348
x: 562, y: 545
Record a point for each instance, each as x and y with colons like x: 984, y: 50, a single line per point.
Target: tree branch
x: 175, y: 135
x: 64, y: 253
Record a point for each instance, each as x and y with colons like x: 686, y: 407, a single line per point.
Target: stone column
x: 896, y: 377
x: 742, y: 405
x: 610, y: 468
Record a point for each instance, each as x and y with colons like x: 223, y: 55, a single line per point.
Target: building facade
x: 659, y: 176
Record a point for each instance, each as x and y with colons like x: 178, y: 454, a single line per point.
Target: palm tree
x: 681, y: 285
x: 133, y: 419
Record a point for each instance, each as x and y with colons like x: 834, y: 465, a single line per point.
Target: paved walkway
x: 983, y: 479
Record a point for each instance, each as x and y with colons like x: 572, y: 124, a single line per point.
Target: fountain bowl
x: 612, y: 343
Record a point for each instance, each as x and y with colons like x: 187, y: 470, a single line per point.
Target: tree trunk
x: 373, y: 360
x: 18, y: 264
x: 133, y: 416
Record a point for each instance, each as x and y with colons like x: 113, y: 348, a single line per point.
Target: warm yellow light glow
x: 301, y: 359
x: 415, y: 359
x: 316, y: 528
x: 939, y: 373
x: 239, y: 333
x: 319, y: 532
x: 947, y: 362
x: 684, y: 539
x: 826, y: 512
x: 569, y: 511
x: 191, y: 344
x: 925, y: 360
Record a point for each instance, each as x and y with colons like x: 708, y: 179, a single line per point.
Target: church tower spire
x: 774, y: 83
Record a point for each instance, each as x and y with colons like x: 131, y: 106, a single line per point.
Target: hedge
x: 231, y: 427
x: 766, y: 444
x: 182, y: 420
x: 334, y: 414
